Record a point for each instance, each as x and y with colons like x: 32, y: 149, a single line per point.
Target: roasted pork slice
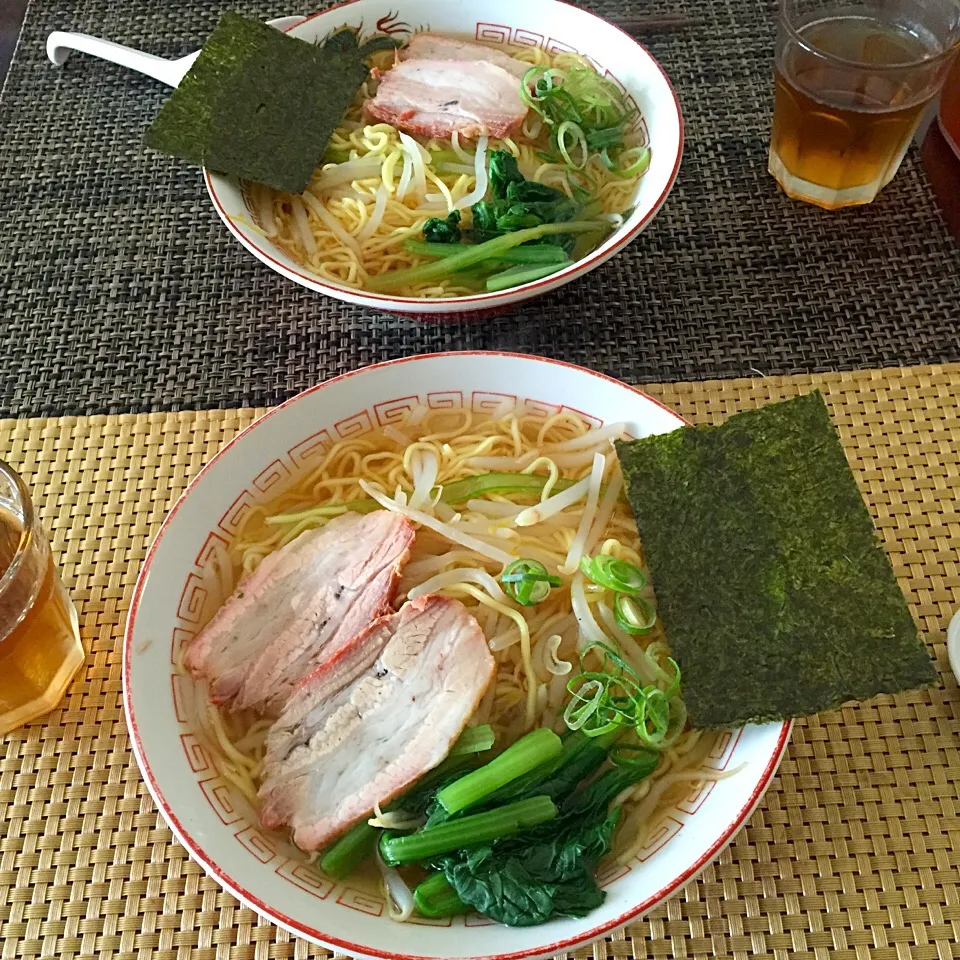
x: 432, y: 46
x: 368, y: 723
x: 302, y: 604
x: 435, y: 98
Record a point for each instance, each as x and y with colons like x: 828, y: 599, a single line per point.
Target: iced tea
x: 851, y: 86
x: 40, y: 648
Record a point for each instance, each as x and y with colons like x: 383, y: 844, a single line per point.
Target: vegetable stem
x: 435, y: 897
x: 524, y: 273
x: 557, y: 778
x: 477, y: 253
x: 358, y: 843
x: 526, y: 754
x: 471, y: 487
x: 349, y: 851
x: 467, y: 831
x: 474, y: 740
x: 541, y: 253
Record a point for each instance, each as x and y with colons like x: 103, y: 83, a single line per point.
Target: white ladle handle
x: 170, y: 72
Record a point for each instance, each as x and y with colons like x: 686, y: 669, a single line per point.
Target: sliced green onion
x: 586, y: 701
x: 605, y: 137
x: 528, y: 582
x: 636, y: 168
x: 334, y: 156
x: 613, y: 662
x: 614, y: 574
x: 570, y: 130
x: 674, y: 687
x: 633, y: 615
x: 653, y: 716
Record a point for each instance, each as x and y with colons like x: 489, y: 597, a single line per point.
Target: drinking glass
x: 40, y: 648
x: 852, y: 82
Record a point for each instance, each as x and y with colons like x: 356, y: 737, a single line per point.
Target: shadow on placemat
x: 120, y: 290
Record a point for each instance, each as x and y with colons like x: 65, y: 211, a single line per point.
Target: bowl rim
x: 209, y: 864
x: 524, y: 291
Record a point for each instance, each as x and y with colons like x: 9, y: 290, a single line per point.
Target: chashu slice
x: 435, y: 98
x: 304, y: 603
x: 433, y: 46
x: 369, y: 723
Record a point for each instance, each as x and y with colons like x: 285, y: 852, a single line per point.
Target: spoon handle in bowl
x: 170, y: 72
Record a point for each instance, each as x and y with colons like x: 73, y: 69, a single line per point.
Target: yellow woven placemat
x: 853, y: 854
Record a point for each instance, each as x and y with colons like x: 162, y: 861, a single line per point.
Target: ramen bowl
x: 178, y: 589
x: 548, y: 24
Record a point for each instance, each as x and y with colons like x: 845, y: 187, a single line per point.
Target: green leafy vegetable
x: 517, y: 203
x: 503, y: 170
x: 547, y: 872
x: 467, y: 831
x: 435, y: 897
x: 580, y: 757
x: 359, y: 842
x: 514, y: 276
x: 349, y: 851
x: 446, y: 231
x: 471, y: 487
x: 774, y: 593
x: 457, y: 492
x: 519, y: 758
x: 541, y: 253
x: 469, y: 255
x: 473, y: 740
x: 262, y: 105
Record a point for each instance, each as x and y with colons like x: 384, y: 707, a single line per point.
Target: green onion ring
x: 614, y: 574
x: 633, y: 615
x: 568, y: 127
x: 527, y: 582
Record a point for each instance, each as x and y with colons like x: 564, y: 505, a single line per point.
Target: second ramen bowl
x: 178, y: 589
x: 550, y: 24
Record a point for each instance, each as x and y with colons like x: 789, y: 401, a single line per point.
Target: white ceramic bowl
x: 177, y: 589
x: 549, y: 24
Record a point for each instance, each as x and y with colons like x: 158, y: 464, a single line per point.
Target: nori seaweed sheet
x: 259, y: 104
x: 775, y: 594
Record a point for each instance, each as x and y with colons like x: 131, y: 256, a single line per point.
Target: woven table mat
x: 852, y: 854
x: 120, y: 290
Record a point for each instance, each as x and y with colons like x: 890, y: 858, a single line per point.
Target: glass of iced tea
x: 40, y: 648
x: 852, y: 82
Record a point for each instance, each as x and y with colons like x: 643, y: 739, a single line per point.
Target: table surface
x: 120, y: 290
x: 854, y: 853
x: 120, y: 293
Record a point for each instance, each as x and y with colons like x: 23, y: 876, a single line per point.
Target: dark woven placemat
x: 119, y: 289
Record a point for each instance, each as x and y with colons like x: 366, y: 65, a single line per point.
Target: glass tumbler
x: 852, y: 82
x: 40, y: 648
